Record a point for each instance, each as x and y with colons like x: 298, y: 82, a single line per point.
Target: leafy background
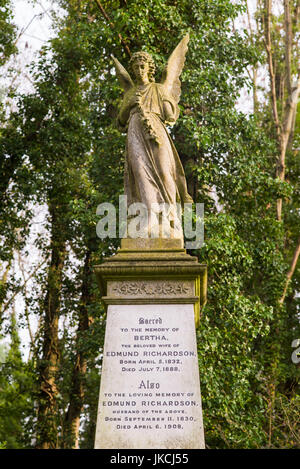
x: 62, y: 155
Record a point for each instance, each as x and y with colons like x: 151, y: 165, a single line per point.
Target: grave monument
x: 154, y: 291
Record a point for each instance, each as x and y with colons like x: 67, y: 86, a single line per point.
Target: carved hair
x: 145, y: 57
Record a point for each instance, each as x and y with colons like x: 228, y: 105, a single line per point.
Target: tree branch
x: 291, y: 106
x: 21, y: 267
x: 288, y: 45
x: 254, y: 77
x: 291, y: 271
x: 289, y: 121
x: 19, y: 289
x: 268, y: 44
x: 112, y: 27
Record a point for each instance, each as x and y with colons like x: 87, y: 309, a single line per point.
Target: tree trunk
x: 72, y: 420
x: 47, y: 410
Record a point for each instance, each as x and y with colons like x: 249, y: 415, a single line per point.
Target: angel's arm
x: 170, y: 111
x: 129, y: 101
x: 123, y: 76
x: 127, y: 85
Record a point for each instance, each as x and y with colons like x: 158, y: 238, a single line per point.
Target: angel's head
x: 143, y: 67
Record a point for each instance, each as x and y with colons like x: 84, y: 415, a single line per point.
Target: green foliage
x: 62, y: 149
x: 16, y: 400
x: 7, y: 31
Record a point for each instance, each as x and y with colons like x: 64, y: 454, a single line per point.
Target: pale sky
x: 34, y: 20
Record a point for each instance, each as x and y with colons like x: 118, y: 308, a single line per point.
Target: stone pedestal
x: 150, y: 389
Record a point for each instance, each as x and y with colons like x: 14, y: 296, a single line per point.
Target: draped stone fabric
x: 154, y: 174
x: 153, y: 171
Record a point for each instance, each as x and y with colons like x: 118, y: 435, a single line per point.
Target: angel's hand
x: 135, y: 100
x: 169, y: 114
x: 132, y: 99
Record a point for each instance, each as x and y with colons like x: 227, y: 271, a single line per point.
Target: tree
x: 72, y: 158
x: 16, y: 400
x: 7, y: 48
x: 8, y: 32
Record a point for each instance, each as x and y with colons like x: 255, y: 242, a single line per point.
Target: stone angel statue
x: 153, y: 170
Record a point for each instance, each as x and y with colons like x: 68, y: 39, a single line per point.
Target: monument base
x: 150, y: 388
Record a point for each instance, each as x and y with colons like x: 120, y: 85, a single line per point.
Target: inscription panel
x: 150, y: 390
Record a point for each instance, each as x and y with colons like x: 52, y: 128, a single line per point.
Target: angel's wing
x: 123, y: 76
x: 174, y: 68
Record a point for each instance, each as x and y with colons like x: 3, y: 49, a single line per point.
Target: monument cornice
x: 165, y: 261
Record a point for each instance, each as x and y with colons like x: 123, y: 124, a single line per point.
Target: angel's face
x: 141, y: 71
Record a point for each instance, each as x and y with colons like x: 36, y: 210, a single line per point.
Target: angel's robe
x: 153, y: 170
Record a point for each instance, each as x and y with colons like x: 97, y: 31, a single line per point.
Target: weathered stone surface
x: 153, y: 171
x: 148, y: 244
x: 153, y: 292
x: 151, y: 289
x: 150, y: 390
x: 163, y: 264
